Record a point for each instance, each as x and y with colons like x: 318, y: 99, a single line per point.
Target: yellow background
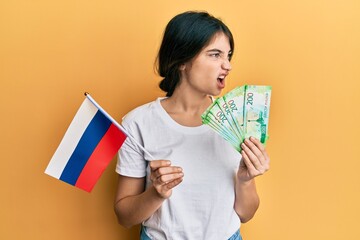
x: 308, y: 51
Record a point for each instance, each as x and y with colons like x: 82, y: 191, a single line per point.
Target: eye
x: 215, y: 55
x: 230, y: 56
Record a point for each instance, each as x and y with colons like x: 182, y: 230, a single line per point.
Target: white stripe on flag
x: 71, y: 138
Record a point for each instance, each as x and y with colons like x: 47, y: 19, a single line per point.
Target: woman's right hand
x: 165, y: 177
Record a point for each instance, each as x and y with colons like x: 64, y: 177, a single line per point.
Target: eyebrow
x: 218, y: 50
x: 215, y: 50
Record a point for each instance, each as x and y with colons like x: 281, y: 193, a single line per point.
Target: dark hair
x: 185, y: 36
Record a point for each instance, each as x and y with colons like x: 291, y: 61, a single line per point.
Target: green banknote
x: 216, y: 120
x: 234, y: 101
x: 256, y: 114
x: 241, y: 113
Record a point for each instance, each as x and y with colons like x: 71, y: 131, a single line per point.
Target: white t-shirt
x: 202, y: 206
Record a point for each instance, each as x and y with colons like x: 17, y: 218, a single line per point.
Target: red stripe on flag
x: 100, y: 158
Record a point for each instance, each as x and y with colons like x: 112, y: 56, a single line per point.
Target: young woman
x: 197, y: 186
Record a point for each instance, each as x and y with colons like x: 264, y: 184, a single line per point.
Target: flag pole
x: 118, y: 125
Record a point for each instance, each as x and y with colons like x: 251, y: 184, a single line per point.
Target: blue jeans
x: 235, y: 236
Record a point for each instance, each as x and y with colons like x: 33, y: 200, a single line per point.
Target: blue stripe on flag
x: 87, y: 143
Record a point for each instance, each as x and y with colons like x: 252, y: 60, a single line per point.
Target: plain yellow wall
x: 53, y: 51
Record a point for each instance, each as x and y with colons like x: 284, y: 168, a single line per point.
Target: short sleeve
x: 131, y: 161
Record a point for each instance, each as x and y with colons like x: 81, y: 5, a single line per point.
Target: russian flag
x: 88, y: 146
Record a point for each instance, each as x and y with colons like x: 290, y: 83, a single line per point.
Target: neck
x: 186, y: 108
x: 187, y: 102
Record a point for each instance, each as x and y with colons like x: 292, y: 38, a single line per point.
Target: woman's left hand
x: 255, y: 161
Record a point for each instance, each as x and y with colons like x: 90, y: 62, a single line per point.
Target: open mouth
x: 221, y: 81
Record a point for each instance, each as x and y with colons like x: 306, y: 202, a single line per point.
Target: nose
x: 226, y: 65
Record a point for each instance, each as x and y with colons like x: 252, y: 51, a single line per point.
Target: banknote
x: 256, y: 112
x: 216, y: 120
x: 241, y: 113
x: 234, y: 101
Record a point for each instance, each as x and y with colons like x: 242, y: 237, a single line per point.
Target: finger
x: 165, y: 179
x: 252, y: 171
x: 164, y: 190
x: 264, y: 159
x: 173, y: 184
x: 260, y: 146
x: 252, y: 157
x: 256, y: 151
x: 250, y: 166
x: 170, y: 177
x: 166, y: 170
x: 155, y: 164
x: 257, y: 142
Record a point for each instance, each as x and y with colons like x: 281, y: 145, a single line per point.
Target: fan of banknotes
x: 241, y: 113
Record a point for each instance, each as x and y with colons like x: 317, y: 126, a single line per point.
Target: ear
x: 182, y: 67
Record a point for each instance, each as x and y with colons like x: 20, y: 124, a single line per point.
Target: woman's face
x: 207, y: 71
